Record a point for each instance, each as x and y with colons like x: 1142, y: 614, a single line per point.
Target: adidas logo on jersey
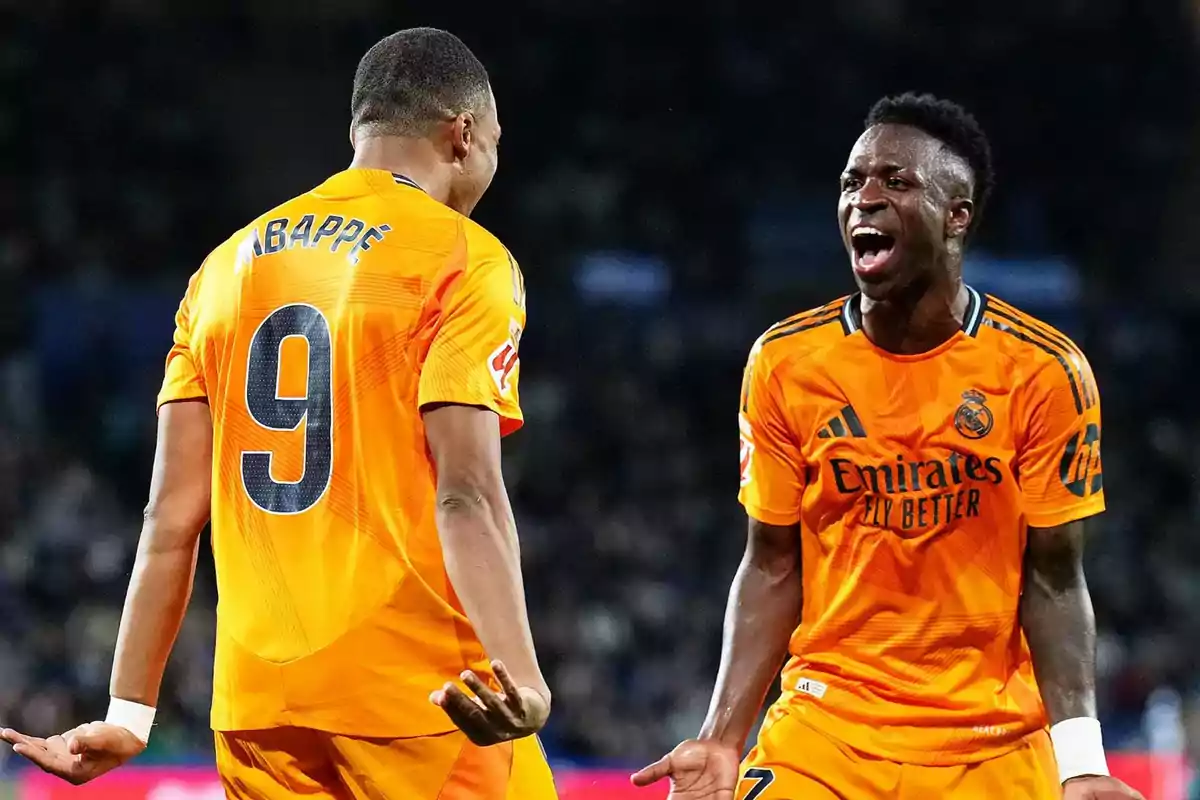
x: 845, y: 423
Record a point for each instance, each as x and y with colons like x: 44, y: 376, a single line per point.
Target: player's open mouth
x: 872, y: 249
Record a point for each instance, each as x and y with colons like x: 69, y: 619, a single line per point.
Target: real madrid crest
x: 973, y: 419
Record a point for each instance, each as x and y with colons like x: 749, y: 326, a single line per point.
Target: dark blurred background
x: 668, y: 183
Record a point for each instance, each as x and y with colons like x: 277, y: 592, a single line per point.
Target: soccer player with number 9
x: 343, y: 370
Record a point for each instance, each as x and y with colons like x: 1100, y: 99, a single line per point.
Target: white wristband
x: 133, y: 717
x: 1078, y: 747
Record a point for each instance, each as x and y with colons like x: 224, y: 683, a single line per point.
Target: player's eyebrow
x: 888, y: 168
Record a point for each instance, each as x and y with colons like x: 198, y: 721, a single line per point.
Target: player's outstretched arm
x: 763, y: 610
x: 158, y: 595
x: 1056, y: 614
x: 483, y: 560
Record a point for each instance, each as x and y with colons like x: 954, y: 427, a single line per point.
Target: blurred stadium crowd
x: 668, y: 183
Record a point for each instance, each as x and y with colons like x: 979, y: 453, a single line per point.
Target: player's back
x: 316, y: 334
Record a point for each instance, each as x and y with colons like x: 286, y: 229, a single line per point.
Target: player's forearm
x: 763, y: 610
x: 1060, y: 627
x: 155, y: 605
x: 483, y: 560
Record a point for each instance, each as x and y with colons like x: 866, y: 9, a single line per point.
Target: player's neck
x: 414, y: 158
x: 918, y: 319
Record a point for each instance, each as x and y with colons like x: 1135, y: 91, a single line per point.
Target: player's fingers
x: 476, y: 726
x: 16, y: 737
x: 466, y: 713
x: 490, y: 699
x: 512, y: 694
x: 44, y: 759
x: 456, y: 697
x: 28, y: 751
x: 452, y: 699
x: 653, y: 773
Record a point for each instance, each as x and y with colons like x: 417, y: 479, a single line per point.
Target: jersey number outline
x: 268, y: 409
x: 762, y: 777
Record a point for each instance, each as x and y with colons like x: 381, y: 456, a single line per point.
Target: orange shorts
x: 794, y: 761
x: 298, y: 762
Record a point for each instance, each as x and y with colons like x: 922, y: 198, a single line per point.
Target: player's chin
x: 879, y: 284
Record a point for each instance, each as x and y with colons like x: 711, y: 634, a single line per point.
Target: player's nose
x: 869, y: 198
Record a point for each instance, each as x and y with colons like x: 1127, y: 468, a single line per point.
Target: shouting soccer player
x: 343, y: 370
x: 917, y: 462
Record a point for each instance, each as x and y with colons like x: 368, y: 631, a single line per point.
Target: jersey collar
x: 404, y: 180
x: 852, y: 313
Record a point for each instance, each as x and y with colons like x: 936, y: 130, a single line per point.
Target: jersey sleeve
x: 473, y: 358
x: 772, y: 466
x: 1059, y: 465
x: 183, y: 378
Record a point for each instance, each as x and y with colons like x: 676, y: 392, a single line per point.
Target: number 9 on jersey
x: 276, y: 413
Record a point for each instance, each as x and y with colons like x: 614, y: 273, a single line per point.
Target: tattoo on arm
x: 1056, y: 615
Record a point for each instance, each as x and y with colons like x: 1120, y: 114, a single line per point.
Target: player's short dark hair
x: 949, y: 123
x: 414, y: 78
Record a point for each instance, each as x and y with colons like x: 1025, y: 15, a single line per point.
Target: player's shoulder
x: 247, y: 241
x: 1024, y: 335
x: 254, y: 232
x: 491, y: 262
x: 238, y: 246
x: 1041, y: 349
x: 483, y: 245
x: 804, y: 333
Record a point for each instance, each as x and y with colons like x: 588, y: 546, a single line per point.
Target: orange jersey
x: 316, y: 334
x: 913, y: 479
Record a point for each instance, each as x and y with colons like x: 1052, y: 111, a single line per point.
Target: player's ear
x: 962, y: 210
x: 462, y: 134
x: 353, y: 144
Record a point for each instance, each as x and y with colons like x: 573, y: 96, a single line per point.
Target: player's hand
x: 491, y: 717
x: 1096, y: 787
x: 699, y: 770
x: 80, y: 754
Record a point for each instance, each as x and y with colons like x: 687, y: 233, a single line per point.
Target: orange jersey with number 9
x: 316, y: 334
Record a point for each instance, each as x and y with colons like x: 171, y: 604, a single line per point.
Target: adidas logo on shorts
x: 809, y: 686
